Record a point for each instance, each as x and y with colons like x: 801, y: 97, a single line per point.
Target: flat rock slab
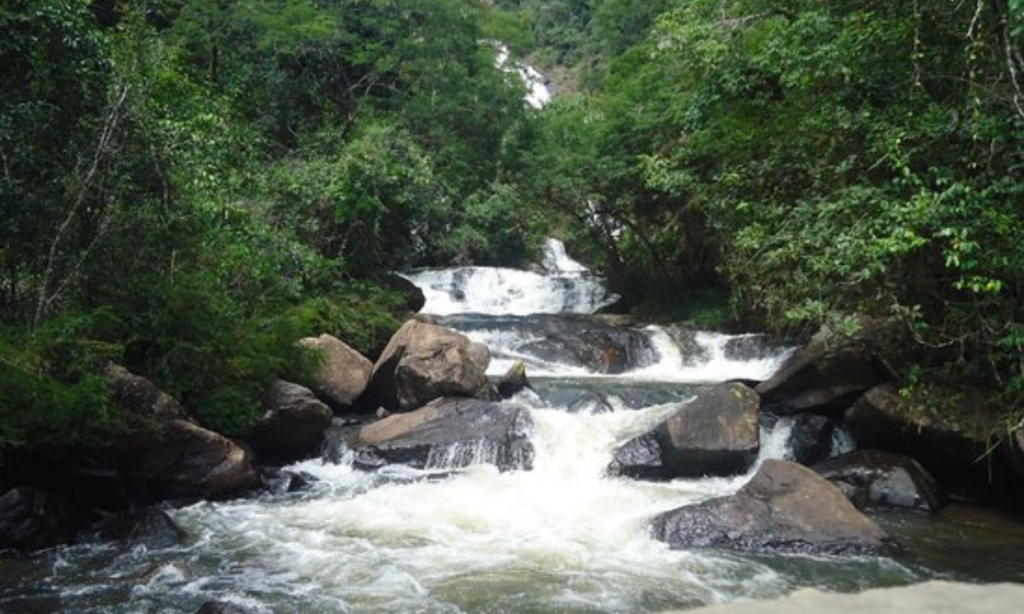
x: 935, y: 597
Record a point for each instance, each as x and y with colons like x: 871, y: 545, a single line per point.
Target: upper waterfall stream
x: 563, y: 538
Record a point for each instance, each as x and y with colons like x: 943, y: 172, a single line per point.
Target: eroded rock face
x: 423, y: 362
x: 873, y: 479
x: 785, y: 508
x: 293, y: 422
x: 716, y: 434
x: 828, y: 374
x: 166, y: 455
x: 449, y: 433
x: 32, y: 519
x: 344, y: 374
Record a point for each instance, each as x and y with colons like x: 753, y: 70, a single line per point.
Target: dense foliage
x: 817, y: 160
x: 189, y: 187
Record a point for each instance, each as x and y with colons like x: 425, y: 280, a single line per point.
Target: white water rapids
x: 562, y: 538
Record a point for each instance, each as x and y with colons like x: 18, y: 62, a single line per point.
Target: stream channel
x: 566, y: 537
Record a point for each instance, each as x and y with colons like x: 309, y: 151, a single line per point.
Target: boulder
x: 826, y: 375
x: 513, y: 381
x: 149, y: 527
x: 423, y: 362
x: 786, y: 507
x: 716, y: 434
x: 810, y: 440
x: 166, y: 455
x: 344, y: 374
x: 32, y: 519
x: 952, y: 442
x: 223, y: 607
x: 585, y: 342
x: 293, y: 423
x: 413, y: 296
x: 450, y: 433
x: 639, y: 458
x: 874, y: 479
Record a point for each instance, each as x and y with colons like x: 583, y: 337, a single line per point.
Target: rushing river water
x: 562, y: 538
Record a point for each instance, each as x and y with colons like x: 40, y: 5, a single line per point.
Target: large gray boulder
x: 32, y: 519
x: 166, y: 455
x: 423, y: 362
x: 875, y: 479
x: 716, y: 434
x: 293, y: 423
x: 827, y: 374
x: 451, y: 433
x: 344, y: 373
x: 786, y: 507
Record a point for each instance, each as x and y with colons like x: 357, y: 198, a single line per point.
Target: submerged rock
x: 828, y: 374
x: 344, y: 373
x: 870, y: 478
x: 223, y: 607
x: 716, y: 434
x: 32, y: 519
x: 785, y: 508
x: 423, y: 362
x: 166, y: 455
x: 150, y: 527
x: 293, y: 424
x: 449, y: 433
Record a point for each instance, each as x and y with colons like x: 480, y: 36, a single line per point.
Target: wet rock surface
x: 875, y: 479
x: 640, y: 458
x: 293, y: 423
x: 150, y: 527
x: 810, y: 441
x: 423, y: 362
x: 32, y: 519
x: 785, y: 508
x: 716, y: 434
x: 449, y: 433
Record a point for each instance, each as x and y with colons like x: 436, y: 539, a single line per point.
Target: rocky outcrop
x: 166, y: 455
x: 293, y: 423
x: 513, y: 381
x: 587, y: 343
x: 639, y: 458
x: 449, y: 433
x: 826, y: 375
x: 937, y: 438
x: 344, y: 373
x: 32, y: 519
x: 716, y: 434
x: 785, y: 508
x: 810, y: 440
x: 148, y: 527
x: 873, y: 479
x: 423, y: 362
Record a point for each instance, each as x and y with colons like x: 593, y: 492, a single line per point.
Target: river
x: 565, y: 537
